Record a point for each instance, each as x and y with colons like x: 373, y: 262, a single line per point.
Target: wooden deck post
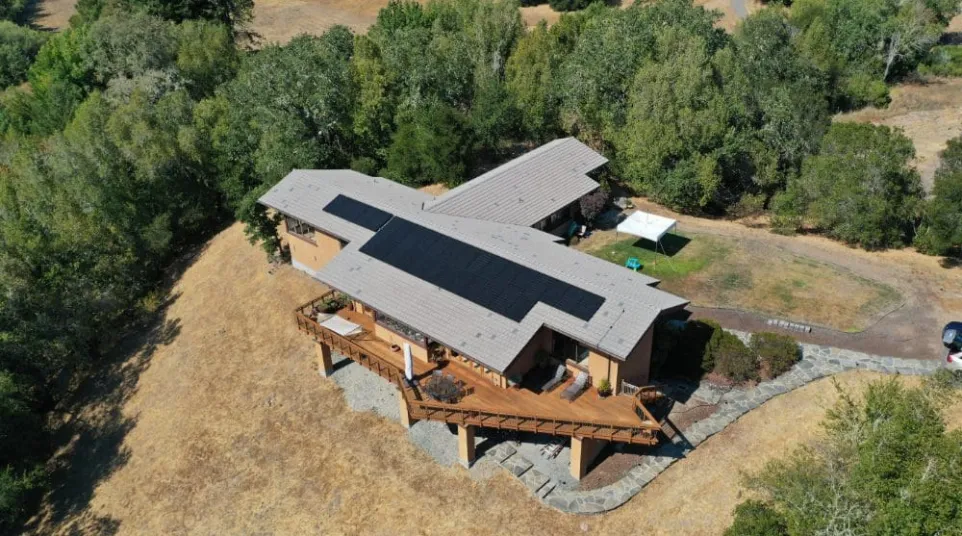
x: 325, y: 365
x: 406, y: 420
x: 466, y: 445
x: 583, y: 452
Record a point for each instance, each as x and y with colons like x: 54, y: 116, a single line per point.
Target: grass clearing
x: 715, y: 271
x: 654, y: 261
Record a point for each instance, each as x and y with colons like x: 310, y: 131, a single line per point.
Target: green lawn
x: 687, y: 256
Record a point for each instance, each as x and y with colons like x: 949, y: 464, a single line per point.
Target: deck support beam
x: 406, y: 420
x: 466, y: 445
x: 325, y: 365
x: 583, y: 452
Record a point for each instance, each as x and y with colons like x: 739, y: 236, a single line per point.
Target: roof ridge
x: 492, y: 173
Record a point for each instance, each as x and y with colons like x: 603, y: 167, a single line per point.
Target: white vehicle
x: 952, y: 339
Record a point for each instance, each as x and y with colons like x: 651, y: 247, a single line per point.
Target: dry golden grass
x: 930, y: 114
x: 281, y: 20
x: 434, y: 189
x: 228, y: 430
x: 54, y: 14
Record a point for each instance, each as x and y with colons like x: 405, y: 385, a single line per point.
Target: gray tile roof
x: 631, y: 302
x: 527, y: 189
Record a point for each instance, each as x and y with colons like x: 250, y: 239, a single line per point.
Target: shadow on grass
x: 670, y: 245
x: 32, y: 12
x: 89, y: 427
x: 950, y: 262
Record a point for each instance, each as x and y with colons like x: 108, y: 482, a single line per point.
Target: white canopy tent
x: 649, y: 226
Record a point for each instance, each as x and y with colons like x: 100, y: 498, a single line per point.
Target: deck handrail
x: 645, y: 432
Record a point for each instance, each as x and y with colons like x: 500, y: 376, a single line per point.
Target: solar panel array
x: 497, y: 284
x: 356, y: 212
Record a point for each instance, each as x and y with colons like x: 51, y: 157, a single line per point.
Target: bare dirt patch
x: 930, y: 114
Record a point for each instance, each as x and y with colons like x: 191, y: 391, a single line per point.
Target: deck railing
x: 644, y: 433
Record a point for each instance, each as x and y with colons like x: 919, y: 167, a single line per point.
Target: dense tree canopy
x: 859, y: 188
x: 941, y: 231
x: 18, y: 47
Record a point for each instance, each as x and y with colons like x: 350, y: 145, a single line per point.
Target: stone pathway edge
x: 817, y: 362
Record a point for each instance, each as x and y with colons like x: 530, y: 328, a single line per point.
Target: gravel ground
x: 365, y: 391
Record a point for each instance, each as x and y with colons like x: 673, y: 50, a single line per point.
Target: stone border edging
x: 817, y: 362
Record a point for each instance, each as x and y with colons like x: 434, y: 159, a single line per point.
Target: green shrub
x: 777, y: 352
x: 944, y: 60
x: 16, y: 490
x: 863, y: 89
x: 734, y: 360
x: 18, y: 48
x: 714, y: 342
x: 604, y: 387
x: 679, y: 347
x: 886, y: 464
x: 755, y: 518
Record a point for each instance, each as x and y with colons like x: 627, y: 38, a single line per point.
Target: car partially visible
x: 952, y: 340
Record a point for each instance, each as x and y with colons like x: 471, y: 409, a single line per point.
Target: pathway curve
x: 817, y: 362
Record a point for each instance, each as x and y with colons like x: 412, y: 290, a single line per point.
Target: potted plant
x: 604, y: 388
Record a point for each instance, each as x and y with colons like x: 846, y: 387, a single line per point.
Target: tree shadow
x: 950, y: 262
x: 90, y: 438
x: 32, y: 12
x: 88, y: 427
x: 951, y: 38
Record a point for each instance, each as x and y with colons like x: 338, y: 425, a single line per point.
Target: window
x: 299, y: 228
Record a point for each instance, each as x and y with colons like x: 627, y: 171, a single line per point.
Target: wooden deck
x: 487, y: 396
x: 615, y: 418
x: 371, y: 343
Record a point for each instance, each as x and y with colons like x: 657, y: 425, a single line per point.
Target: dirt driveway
x: 216, y: 423
x: 932, y: 292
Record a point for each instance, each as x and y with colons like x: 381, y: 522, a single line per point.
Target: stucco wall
x: 634, y: 369
x: 418, y: 351
x: 312, y: 254
x: 526, y: 358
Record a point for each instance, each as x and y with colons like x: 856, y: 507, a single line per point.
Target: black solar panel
x: 495, y: 283
x: 357, y: 212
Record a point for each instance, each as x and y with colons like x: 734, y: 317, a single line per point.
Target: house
x: 474, y: 278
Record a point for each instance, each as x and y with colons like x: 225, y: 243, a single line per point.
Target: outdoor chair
x: 559, y: 376
x: 576, y: 387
